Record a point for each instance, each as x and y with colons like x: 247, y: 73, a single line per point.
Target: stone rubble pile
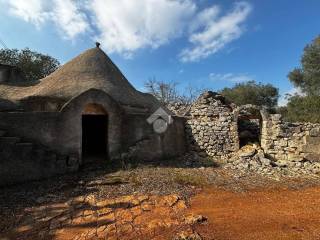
x: 251, y: 158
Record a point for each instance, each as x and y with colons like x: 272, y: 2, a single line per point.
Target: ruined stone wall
x: 211, y: 127
x: 212, y: 130
x: 289, y: 143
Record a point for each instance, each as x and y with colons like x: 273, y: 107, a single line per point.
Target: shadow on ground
x: 125, y: 200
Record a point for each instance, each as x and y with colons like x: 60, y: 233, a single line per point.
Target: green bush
x: 252, y: 93
x: 302, y: 109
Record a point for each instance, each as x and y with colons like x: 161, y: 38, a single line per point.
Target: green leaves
x: 252, y: 93
x: 302, y: 109
x: 307, y: 77
x: 34, y: 65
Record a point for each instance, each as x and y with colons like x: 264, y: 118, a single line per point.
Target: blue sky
x: 204, y: 43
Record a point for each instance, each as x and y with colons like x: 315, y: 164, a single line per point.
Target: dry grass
x: 135, y: 180
x: 190, y: 179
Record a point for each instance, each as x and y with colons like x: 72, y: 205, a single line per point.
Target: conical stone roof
x: 91, y: 69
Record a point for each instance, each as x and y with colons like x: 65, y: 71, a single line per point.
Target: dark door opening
x: 249, y: 127
x: 94, y: 137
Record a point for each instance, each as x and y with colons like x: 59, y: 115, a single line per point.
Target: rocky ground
x: 138, y: 202
x: 251, y: 158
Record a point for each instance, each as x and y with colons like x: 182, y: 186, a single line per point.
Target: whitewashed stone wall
x: 290, y: 142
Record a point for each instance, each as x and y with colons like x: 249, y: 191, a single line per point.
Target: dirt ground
x: 280, y: 213
x: 162, y: 202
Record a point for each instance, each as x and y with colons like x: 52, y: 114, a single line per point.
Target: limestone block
x: 275, y: 117
x: 315, y: 132
x: 294, y: 157
x: 281, y: 163
x: 271, y: 151
x: 312, y: 157
x: 290, y: 149
x: 311, y: 148
x: 267, y: 124
x: 296, y: 129
x: 282, y: 143
x: 280, y: 156
x: 278, y: 148
x: 293, y: 144
x: 312, y: 140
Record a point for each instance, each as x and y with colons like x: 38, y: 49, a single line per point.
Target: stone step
x: 9, y: 140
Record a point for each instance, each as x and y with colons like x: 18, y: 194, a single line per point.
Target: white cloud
x: 212, y: 32
x: 64, y: 13
x: 204, y: 17
x: 69, y: 18
x: 230, y: 77
x: 127, y: 25
x: 34, y: 11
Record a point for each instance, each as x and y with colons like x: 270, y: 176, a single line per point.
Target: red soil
x: 259, y: 214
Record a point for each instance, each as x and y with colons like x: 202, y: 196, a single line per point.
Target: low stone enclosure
x: 87, y: 112
x: 213, y: 130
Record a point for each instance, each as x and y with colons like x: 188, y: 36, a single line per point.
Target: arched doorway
x: 94, y: 133
x: 249, y: 126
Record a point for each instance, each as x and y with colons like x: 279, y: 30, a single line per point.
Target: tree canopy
x: 34, y: 65
x: 302, y: 109
x: 305, y: 108
x: 307, y: 77
x: 259, y: 94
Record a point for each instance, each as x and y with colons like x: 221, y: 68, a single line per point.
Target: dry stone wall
x: 179, y: 108
x: 288, y: 143
x: 211, y: 127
